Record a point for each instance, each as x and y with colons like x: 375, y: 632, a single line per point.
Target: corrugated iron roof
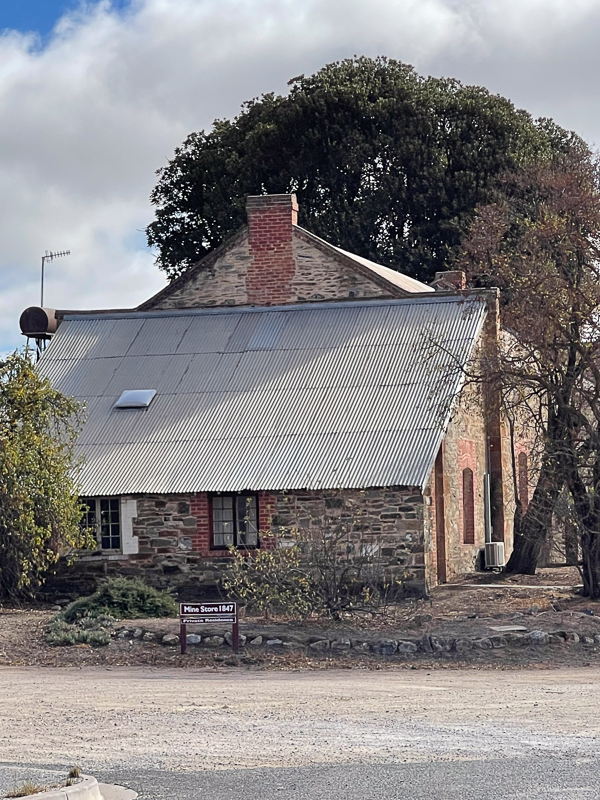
x: 334, y: 395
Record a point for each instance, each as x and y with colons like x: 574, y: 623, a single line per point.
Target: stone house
x: 282, y: 384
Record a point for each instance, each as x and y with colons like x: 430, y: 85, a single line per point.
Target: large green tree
x: 386, y: 163
x: 39, y: 506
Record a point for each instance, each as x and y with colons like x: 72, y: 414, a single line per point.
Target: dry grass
x: 26, y: 789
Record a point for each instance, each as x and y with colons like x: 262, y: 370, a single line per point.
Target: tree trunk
x: 531, y: 528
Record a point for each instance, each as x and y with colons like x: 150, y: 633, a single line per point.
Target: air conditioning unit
x: 494, y: 555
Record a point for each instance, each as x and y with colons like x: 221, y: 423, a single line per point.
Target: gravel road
x: 210, y: 732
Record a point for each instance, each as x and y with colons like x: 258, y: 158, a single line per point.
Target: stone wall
x: 173, y: 532
x: 387, y: 521
x: 316, y: 276
x: 223, y: 283
x: 322, y: 277
x: 464, y: 448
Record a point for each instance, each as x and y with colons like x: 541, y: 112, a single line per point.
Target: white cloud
x: 89, y: 117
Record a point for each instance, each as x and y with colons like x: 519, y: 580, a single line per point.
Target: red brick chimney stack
x: 454, y: 280
x: 271, y: 219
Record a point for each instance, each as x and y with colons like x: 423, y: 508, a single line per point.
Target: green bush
x: 122, y: 598
x: 94, y: 631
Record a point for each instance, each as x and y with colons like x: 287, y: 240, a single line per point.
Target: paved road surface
x: 345, y: 734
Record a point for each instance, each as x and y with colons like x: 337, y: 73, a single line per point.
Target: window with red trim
x: 234, y: 520
x: 468, y: 501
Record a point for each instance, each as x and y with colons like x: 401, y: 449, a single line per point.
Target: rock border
x: 401, y: 646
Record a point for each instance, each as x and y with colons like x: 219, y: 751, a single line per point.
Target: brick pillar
x: 199, y: 508
x: 266, y: 510
x: 270, y: 225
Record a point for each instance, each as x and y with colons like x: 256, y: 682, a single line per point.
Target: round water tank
x: 37, y: 321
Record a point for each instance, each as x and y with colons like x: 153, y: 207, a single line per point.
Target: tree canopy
x: 385, y: 163
x: 539, y: 243
x: 39, y: 506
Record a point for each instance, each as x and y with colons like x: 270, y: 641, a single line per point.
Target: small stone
x: 406, y: 647
x: 439, y: 644
x: 533, y: 610
x: 538, y: 638
x: 421, y: 619
x: 572, y: 636
x: 229, y: 639
x: 597, y: 638
x: 56, y: 608
x: 148, y: 636
x: 586, y: 640
x: 213, y: 641
x: 555, y: 639
x: 171, y: 638
x: 289, y: 645
x: 425, y: 644
x: 138, y: 633
x: 256, y: 642
x: 385, y: 647
x: 483, y: 644
x: 322, y: 644
x: 498, y: 641
x: 362, y: 646
x: 341, y: 644
x: 123, y: 634
x: 462, y: 645
x: 193, y: 638
x: 274, y: 642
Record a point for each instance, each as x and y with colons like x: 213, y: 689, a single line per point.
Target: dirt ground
x: 469, y: 607
x: 180, y: 720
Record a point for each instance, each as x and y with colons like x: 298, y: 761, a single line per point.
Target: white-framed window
x: 234, y: 521
x: 103, y: 515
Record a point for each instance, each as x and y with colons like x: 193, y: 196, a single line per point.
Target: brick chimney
x: 269, y: 277
x: 449, y: 281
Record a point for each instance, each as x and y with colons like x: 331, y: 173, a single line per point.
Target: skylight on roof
x: 135, y: 398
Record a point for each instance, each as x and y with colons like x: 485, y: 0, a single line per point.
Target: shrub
x: 122, y: 598
x: 271, y: 580
x: 321, y: 572
x: 94, y: 631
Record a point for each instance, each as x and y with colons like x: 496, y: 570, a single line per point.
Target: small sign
x: 197, y: 613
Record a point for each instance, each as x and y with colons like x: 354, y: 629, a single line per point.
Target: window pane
x: 110, y: 523
x: 223, y: 521
x: 247, y: 524
x: 88, y: 518
x: 468, y: 507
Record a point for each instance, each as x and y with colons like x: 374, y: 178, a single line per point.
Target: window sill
x: 99, y: 555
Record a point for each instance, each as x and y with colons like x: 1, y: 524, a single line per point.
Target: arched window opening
x: 468, y: 507
x: 523, y: 480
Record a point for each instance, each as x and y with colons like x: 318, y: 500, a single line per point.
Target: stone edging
x: 85, y: 789
x: 427, y: 643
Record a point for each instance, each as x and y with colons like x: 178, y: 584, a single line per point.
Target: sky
x: 96, y: 96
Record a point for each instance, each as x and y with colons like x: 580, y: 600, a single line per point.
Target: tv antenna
x: 50, y: 256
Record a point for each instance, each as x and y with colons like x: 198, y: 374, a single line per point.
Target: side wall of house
x: 464, y: 451
x: 173, y: 537
x: 464, y: 448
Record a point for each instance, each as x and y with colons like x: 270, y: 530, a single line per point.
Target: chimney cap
x: 262, y: 200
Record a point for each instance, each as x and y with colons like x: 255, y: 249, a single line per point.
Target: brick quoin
x: 270, y: 226
x: 200, y: 508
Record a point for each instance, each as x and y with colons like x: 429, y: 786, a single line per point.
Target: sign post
x: 206, y: 613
